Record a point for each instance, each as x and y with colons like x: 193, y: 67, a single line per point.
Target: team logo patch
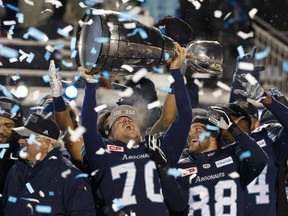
x: 261, y: 143
x: 206, y: 166
x: 189, y: 171
x: 115, y: 148
x: 224, y: 162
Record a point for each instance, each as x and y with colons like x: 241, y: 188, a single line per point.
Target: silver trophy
x: 107, y: 40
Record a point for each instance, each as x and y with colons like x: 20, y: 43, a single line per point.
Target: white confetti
x: 154, y: 104
x: 12, y: 60
x: 100, y: 107
x: 198, y: 83
x: 100, y: 151
x: 9, y: 22
x: 246, y: 66
x: 250, y: 79
x: 139, y: 74
x: 81, y: 23
x: 201, y: 75
x: 77, y: 133
x: 67, y: 29
x: 217, y: 93
x: 130, y: 144
x: 223, y: 86
x: 38, y: 156
x: 29, y: 2
x: 127, y: 67
x: 46, y: 10
x: 196, y: 4
x: 23, y: 55
x: 41, y: 194
x: 244, y: 35
x: 170, y: 79
x: 66, y: 81
x: 23, y: 154
x: 217, y: 14
x: 65, y: 173
x: 126, y: 93
x: 252, y: 13
x: 49, y: 48
x: 56, y: 3
x: 234, y: 175
x: 94, y: 172
x: 130, y: 25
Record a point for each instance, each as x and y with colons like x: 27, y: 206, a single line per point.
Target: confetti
x: 127, y: 67
x: 252, y: 13
x: 234, y: 175
x: 94, y: 172
x: 204, y: 135
x: 76, y: 134
x: 30, y: 188
x: 166, y: 89
x: 130, y: 144
x: 36, y: 34
x: 263, y: 54
x: 240, y: 51
x: 246, y: 66
x: 170, y: 79
x: 244, y: 155
x: 29, y: 2
x: 43, y: 209
x: 116, y: 206
x: 196, y: 4
x: 101, y: 39
x: 56, y: 3
x: 244, y: 35
x: 12, y: 199
x: 129, y: 25
x: 46, y: 10
x: 285, y: 66
x: 159, y: 70
x: 5, y: 145
x: 198, y: 83
x: 174, y: 172
x: 154, y: 104
x: 38, y: 156
x: 2, y: 153
x: 8, y: 52
x: 212, y: 127
x: 81, y: 23
x: 82, y: 5
x: 12, y: 7
x: 100, y: 107
x: 41, y: 194
x: 126, y: 93
x: 65, y: 173
x: 223, y: 86
x: 31, y: 139
x: 217, y: 14
x: 9, y: 22
x: 201, y: 75
x: 251, y: 79
x: 139, y: 75
x: 141, y: 32
x: 82, y: 175
x: 100, y: 151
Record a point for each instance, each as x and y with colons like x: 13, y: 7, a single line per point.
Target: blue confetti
x: 101, y: 39
x: 46, y: 78
x: 5, y: 145
x: 14, y: 109
x: 11, y: 29
x: 51, y: 193
x: 5, y: 91
x: 62, y: 33
x: 158, y: 70
x: 211, y: 127
x: 73, y: 43
x: 174, y: 172
x: 263, y: 54
x: 167, y: 56
x: 285, y: 66
x: 240, y: 51
x: 59, y: 46
x: 31, y: 139
x: 30, y: 57
x: 90, y: 64
x: 81, y: 175
x: 73, y: 54
x: 2, y: 153
x: 244, y: 155
x: 117, y: 204
x: 166, y: 88
x: 43, y: 209
x: 20, y: 17
x: 93, y: 51
x: 30, y: 188
x: 8, y: 52
x: 37, y: 34
x: 12, y: 7
x: 106, y: 75
x: 67, y: 64
x: 12, y: 199
x: 141, y: 32
x: 47, y: 55
x: 203, y: 135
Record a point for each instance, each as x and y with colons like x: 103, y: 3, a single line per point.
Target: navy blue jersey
x: 127, y: 177
x: 213, y: 183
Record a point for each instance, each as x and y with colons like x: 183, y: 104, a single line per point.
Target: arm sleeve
x: 92, y: 138
x: 175, y: 138
x: 175, y: 194
x: 280, y: 111
x: 252, y: 158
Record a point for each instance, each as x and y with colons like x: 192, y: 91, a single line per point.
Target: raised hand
x: 251, y: 87
x: 55, y: 80
x: 153, y: 145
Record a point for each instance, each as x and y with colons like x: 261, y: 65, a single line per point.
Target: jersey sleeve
x: 251, y: 156
x: 92, y: 138
x: 175, y: 138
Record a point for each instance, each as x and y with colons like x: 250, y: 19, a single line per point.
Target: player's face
x: 196, y: 143
x: 125, y: 129
x: 6, y: 126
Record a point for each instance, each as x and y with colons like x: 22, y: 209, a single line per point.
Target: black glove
x: 153, y: 144
x: 219, y: 117
x: 251, y: 87
x: 249, y: 58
